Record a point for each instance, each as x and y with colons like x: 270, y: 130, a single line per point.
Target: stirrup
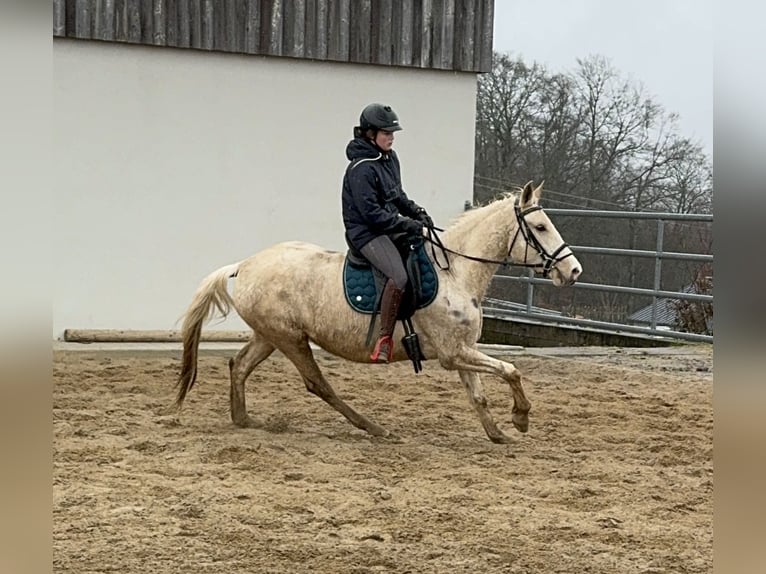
x: 384, y: 350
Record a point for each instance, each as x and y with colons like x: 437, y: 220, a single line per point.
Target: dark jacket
x: 373, y: 198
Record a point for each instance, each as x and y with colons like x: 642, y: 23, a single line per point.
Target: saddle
x: 363, y: 287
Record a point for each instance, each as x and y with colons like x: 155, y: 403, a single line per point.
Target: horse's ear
x: 530, y: 193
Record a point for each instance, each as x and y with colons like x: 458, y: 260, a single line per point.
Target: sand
x: 614, y: 476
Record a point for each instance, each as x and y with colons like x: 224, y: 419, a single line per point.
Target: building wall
x: 171, y: 163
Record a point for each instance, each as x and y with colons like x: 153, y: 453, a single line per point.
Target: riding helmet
x: 379, y: 117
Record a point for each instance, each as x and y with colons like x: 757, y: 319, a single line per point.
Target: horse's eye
x: 540, y: 227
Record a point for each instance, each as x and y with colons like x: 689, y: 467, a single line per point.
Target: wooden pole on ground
x: 158, y: 336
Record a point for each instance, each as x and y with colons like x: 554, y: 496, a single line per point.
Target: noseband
x: 549, y: 259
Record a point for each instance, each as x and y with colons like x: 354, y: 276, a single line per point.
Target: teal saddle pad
x: 359, y: 284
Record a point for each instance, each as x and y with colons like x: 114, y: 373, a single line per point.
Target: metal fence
x: 528, y: 310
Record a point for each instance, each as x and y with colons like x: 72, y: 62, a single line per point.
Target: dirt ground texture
x: 614, y: 476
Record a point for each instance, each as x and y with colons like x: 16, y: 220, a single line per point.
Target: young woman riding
x: 375, y: 208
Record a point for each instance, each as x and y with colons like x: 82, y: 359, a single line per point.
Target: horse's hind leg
x: 476, y: 396
x: 240, y: 368
x: 301, y: 356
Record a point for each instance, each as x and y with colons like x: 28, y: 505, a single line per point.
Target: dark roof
x: 432, y: 35
x: 666, y: 310
x: 666, y: 313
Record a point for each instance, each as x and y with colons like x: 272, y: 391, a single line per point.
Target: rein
x: 549, y: 259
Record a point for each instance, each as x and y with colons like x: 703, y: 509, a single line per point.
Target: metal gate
x: 530, y: 311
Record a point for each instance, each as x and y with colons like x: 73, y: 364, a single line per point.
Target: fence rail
x: 654, y: 215
x: 640, y: 253
x: 528, y: 310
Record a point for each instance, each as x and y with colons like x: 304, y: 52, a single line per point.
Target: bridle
x: 549, y: 259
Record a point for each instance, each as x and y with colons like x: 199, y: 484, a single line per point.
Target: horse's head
x: 537, y: 243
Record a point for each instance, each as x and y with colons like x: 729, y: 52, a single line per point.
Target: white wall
x: 171, y: 163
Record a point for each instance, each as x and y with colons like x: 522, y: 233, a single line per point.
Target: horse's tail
x: 210, y: 295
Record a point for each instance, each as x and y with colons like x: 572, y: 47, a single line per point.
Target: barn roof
x: 666, y: 309
x: 438, y: 34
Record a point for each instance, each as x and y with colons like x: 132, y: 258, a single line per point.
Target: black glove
x: 424, y: 218
x: 411, y: 227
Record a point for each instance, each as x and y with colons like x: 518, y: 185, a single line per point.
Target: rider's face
x: 384, y: 140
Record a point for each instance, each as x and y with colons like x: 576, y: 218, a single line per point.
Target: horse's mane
x: 470, y: 217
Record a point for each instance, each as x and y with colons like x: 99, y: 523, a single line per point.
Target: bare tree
x: 504, y: 105
x: 592, y: 135
x: 599, y: 141
x: 690, y: 182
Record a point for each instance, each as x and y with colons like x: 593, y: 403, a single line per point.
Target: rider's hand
x: 422, y: 216
x: 412, y: 227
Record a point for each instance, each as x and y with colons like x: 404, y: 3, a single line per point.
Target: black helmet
x: 379, y: 117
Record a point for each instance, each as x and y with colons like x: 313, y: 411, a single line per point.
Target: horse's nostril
x: 575, y: 272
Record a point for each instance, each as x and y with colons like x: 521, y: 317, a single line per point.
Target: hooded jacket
x: 373, y: 199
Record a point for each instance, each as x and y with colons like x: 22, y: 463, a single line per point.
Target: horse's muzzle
x: 566, y: 272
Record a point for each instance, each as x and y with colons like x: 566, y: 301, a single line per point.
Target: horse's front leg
x: 472, y: 384
x: 474, y: 361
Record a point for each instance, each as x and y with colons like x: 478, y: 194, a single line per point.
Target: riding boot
x: 389, y: 308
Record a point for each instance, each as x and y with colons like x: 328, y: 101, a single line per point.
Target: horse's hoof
x: 520, y: 422
x: 390, y: 437
x: 376, y: 430
x: 501, y: 438
x: 521, y: 428
x: 246, y: 423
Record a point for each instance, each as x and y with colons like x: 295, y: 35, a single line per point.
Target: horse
x: 290, y: 295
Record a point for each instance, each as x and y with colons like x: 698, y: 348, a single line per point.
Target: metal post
x: 530, y: 290
x: 657, y: 270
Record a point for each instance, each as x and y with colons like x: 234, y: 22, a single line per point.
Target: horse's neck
x: 484, y: 233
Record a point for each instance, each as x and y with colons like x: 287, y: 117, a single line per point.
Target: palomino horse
x: 290, y: 294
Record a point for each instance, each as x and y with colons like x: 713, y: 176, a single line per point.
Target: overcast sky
x: 667, y: 45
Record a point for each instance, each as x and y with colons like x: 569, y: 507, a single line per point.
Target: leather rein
x: 523, y: 229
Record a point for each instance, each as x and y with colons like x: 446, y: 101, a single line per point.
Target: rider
x: 376, y: 207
